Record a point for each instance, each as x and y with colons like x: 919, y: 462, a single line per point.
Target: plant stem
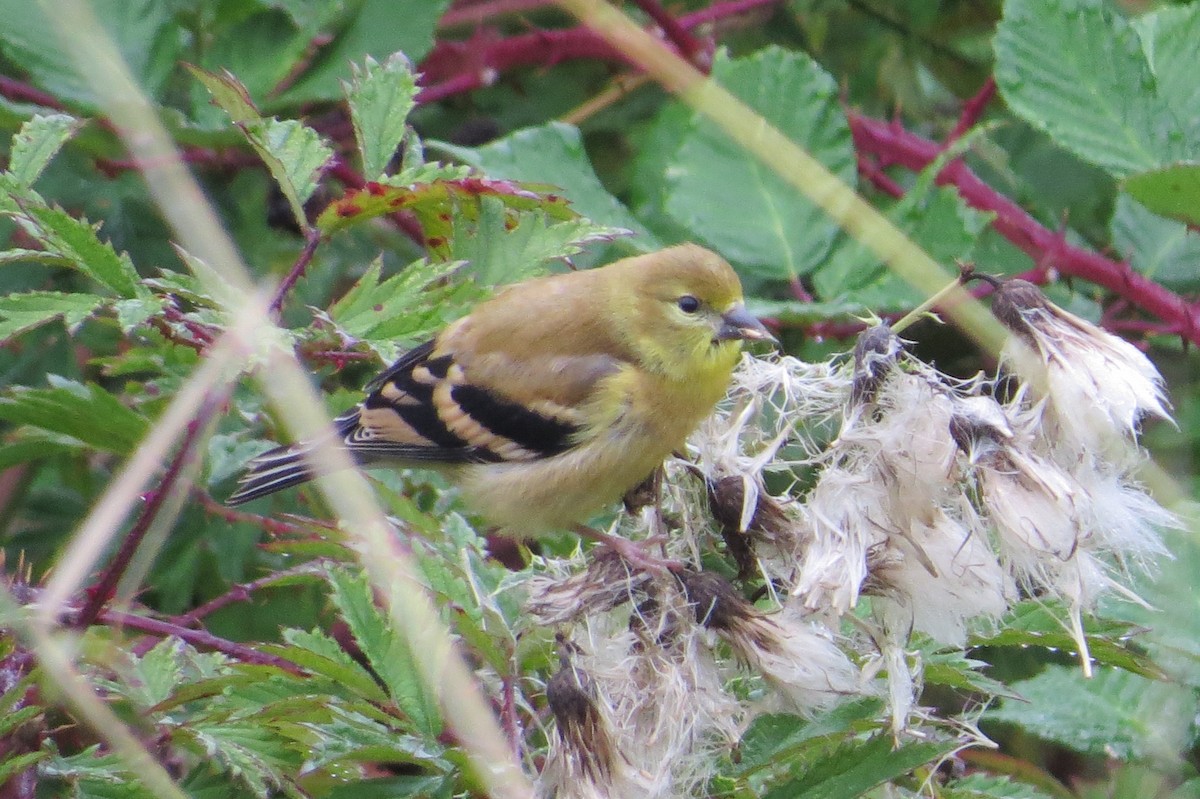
x: 932, y: 302
x: 972, y: 111
x: 105, y: 588
x: 312, y: 238
x: 243, y: 592
x: 892, y: 144
x: 232, y: 515
x: 201, y: 639
x: 689, y: 46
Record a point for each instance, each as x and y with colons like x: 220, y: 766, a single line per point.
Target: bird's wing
x: 442, y: 403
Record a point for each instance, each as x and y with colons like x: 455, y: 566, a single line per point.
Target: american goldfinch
x: 555, y: 397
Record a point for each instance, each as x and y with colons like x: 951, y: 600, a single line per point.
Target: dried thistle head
x: 1032, y: 504
x: 849, y: 512
x: 1099, y: 386
x: 886, y: 471
x: 584, y: 760
x: 916, y: 449
x: 746, y: 515
x: 719, y: 606
x: 979, y: 425
x: 582, y: 728
x: 655, y: 623
x: 1123, y: 520
x: 670, y: 713
x: 797, y: 659
x: 874, y: 355
x: 606, y: 583
x: 940, y: 576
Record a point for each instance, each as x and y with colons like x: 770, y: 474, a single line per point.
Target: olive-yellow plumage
x: 551, y: 400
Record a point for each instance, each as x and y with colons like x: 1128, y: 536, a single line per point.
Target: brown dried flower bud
x: 606, y: 583
x: 802, y: 665
x: 874, y: 354
x: 721, y: 608
x: 978, y: 420
x: 1098, y: 386
x: 582, y: 730
x: 1012, y: 302
x: 740, y: 524
x: 726, y: 500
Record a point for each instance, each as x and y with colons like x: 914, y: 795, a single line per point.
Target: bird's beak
x: 738, y: 323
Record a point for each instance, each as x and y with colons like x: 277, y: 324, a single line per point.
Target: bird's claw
x: 633, y: 552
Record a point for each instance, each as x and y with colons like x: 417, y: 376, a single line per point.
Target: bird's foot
x: 632, y: 552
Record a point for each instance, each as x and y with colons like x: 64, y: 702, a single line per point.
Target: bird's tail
x: 280, y: 468
x: 284, y: 467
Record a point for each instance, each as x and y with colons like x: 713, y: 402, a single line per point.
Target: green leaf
x: 858, y: 766
x: 1161, y: 249
x: 1172, y: 621
x: 1114, y: 714
x: 987, y: 786
x: 74, y: 241
x: 436, y: 204
x: 1076, y: 69
x: 294, y: 153
x: 376, y: 28
x: 34, y: 448
x: 350, y: 737
x: 143, y: 30
x: 264, y: 48
x: 1173, y: 191
x: 413, y: 173
x: 1169, y: 35
x: 727, y: 199
x: 228, y: 454
x: 94, y: 775
x: 18, y: 255
x: 37, y: 142
x: 385, y: 650
x: 402, y: 310
x: 205, y: 782
x: 955, y: 670
x: 652, y: 158
x: 502, y: 247
x: 12, y: 719
x: 462, y: 580
x: 394, y: 788
x: 12, y: 766
x: 249, y: 750
x: 775, y: 739
x: 133, y: 313
x: 309, y: 15
x: 229, y: 93
x: 155, y: 675
x: 381, y: 98
x: 320, y: 654
x: 554, y: 154
x: 21, y: 312
x: 87, y: 413
x: 209, y: 287
x: 1033, y: 623
x: 1188, y: 790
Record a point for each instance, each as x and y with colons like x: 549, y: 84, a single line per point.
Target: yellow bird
x: 551, y: 400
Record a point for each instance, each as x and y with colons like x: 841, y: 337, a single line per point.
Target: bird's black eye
x: 688, y: 303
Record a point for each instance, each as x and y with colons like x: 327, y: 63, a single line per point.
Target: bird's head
x: 683, y: 308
